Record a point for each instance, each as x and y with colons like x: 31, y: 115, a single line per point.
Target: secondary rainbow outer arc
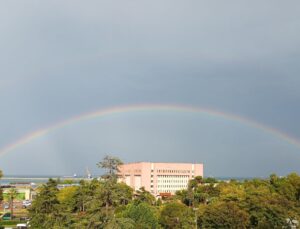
x: 150, y: 107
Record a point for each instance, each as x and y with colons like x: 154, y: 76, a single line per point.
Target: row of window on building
x: 172, y: 186
x: 173, y: 176
x: 166, y: 191
x: 172, y: 181
x: 172, y: 171
x: 134, y: 171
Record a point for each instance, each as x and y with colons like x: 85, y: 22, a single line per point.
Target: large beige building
x: 159, y: 178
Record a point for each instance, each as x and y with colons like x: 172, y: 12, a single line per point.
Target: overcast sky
x: 60, y: 59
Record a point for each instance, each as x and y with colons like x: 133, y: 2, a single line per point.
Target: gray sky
x: 60, y: 59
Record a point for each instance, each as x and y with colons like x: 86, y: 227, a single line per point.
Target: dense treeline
x: 256, y: 203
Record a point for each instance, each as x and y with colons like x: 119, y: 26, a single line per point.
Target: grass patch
x: 10, y: 222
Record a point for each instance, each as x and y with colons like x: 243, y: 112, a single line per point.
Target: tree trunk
x: 106, y: 209
x: 12, y: 208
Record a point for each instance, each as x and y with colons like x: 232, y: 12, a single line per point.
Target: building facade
x: 159, y: 178
x: 23, y: 192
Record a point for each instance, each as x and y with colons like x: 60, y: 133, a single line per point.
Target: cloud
x: 62, y: 58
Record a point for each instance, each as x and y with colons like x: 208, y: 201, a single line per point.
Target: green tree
x: 100, y: 208
x: 107, y: 193
x: 198, y: 193
x: 294, y: 180
x: 84, y: 194
x: 142, y: 195
x: 176, y: 215
x: 210, y: 180
x: 100, y: 199
x: 224, y: 215
x: 232, y: 191
x: 143, y: 214
x: 266, y: 207
x: 111, y: 164
x: 120, y: 223
x: 108, y: 196
x: 188, y: 196
x: 66, y: 198
x: 124, y: 193
x: 107, y: 204
x: 46, y: 211
x: 12, y: 194
x: 287, y: 186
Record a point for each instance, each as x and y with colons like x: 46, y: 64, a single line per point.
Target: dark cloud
x: 63, y: 58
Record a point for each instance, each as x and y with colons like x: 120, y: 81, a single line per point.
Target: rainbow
x: 147, y: 108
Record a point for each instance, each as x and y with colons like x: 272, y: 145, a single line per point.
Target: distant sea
x: 35, y: 179
x: 44, y: 178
